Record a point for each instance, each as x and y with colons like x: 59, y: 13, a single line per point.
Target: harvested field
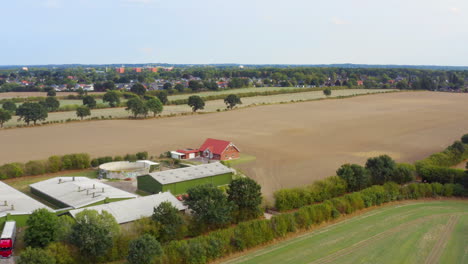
x: 211, y: 106
x: 31, y: 94
x: 294, y: 144
x: 416, y: 232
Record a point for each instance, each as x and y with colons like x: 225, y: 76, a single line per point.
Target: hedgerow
x: 220, y: 243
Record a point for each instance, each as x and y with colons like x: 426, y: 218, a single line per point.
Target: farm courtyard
x: 294, y: 144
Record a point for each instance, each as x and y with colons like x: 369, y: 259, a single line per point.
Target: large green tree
x: 35, y: 256
x: 111, y: 97
x: 209, y: 205
x: 179, y: 87
x: 31, y: 112
x: 9, y: 106
x: 171, y: 223
x: 138, y: 89
x: 246, y: 194
x: 137, y: 107
x: 89, y: 101
x: 51, y: 103
x: 4, y: 116
x: 154, y: 105
x: 196, y: 102
x: 356, y: 176
x: 93, y: 233
x: 143, y: 250
x: 232, y: 100
x: 83, y: 111
x: 42, y: 228
x: 381, y: 168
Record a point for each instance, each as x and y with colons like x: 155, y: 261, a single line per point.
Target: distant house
x: 219, y: 150
x: 360, y: 82
x: 120, y: 70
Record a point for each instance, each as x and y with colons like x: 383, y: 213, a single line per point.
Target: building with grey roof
x: 134, y: 209
x: 14, y: 202
x: 178, y: 181
x: 76, y: 192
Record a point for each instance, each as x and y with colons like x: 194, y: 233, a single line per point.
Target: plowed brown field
x: 295, y: 144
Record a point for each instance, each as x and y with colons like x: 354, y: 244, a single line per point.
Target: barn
x: 219, y: 149
x: 178, y: 181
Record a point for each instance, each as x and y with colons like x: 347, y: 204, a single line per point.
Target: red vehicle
x: 7, y: 239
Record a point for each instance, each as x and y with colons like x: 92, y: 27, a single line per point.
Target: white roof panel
x: 77, y: 192
x: 22, y: 204
x: 134, y: 209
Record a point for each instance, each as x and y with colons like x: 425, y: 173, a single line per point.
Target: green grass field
x: 415, y: 232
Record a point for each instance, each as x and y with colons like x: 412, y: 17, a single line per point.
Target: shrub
x: 464, y: 139
x: 404, y: 173
x: 11, y: 170
x: 35, y: 167
x: 54, y: 164
x: 381, y: 168
x: 142, y: 155
x: 131, y: 157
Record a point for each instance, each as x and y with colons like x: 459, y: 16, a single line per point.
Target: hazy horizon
x: 296, y: 32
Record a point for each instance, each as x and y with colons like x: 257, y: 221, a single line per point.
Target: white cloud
x: 455, y: 10
x: 339, y: 21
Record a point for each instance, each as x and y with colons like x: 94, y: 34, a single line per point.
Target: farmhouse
x: 178, y: 181
x: 77, y: 192
x: 134, y: 209
x: 219, y: 150
x: 14, y: 202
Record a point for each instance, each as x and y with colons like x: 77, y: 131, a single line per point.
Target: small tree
x: 111, y: 97
x: 154, y: 105
x: 51, y: 93
x: 42, y: 228
x: 171, y: 222
x: 9, y: 106
x: 137, y: 107
x: 143, y: 250
x: 51, y: 104
x: 356, y: 176
x: 209, y: 205
x: 232, y: 100
x: 196, y: 102
x: 4, y: 116
x: 31, y: 112
x: 327, y: 92
x: 81, y: 92
x: 464, y: 139
x: 162, y: 96
x: 138, y: 89
x: 246, y: 194
x: 89, y: 101
x: 93, y: 233
x: 167, y: 86
x: 83, y: 111
x: 179, y: 87
x: 35, y: 256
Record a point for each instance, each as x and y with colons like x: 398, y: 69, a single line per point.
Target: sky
x: 405, y: 32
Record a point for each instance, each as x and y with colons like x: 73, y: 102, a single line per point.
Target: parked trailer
x: 7, y: 240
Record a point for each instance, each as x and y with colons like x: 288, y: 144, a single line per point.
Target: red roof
x: 187, y: 151
x: 216, y: 146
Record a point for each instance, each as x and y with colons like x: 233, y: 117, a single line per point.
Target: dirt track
x: 295, y: 144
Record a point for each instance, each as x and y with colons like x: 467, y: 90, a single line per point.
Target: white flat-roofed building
x: 77, y: 192
x: 134, y: 209
x: 15, y: 202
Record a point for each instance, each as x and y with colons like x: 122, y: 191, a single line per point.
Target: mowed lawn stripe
x: 456, y: 250
x: 318, y: 245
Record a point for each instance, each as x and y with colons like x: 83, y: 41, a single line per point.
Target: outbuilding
x: 134, y: 209
x: 178, y: 181
x: 76, y: 192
